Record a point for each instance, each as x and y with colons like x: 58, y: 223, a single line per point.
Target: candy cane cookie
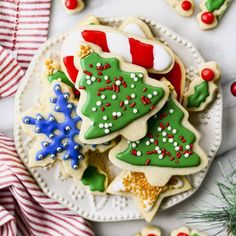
x: 158, y: 58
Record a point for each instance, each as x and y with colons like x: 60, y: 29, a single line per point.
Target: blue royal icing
x: 61, y: 134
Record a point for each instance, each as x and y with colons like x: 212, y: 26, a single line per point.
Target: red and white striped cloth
x: 24, y: 208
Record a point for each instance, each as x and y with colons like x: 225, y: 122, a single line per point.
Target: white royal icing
x: 135, y: 30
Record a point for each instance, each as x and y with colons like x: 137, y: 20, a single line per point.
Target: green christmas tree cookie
x: 169, y: 148
x: 116, y: 97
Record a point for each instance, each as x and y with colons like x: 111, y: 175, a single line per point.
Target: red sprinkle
x: 152, y: 107
x: 88, y: 73
x: 121, y: 103
x: 121, y: 78
x: 128, y: 97
x: 124, y: 84
x: 108, y: 81
x: 100, y: 73
x: 167, y: 124
x: 147, y: 162
x: 172, y: 158
x: 102, y: 89
x: 133, y: 104
x: 103, y: 108
x: 181, y: 137
x: 148, y: 101
x: 108, y: 104
x: 144, y: 89
x: 156, y: 142
x: 98, y: 93
x: 134, y: 152
x: 180, y: 148
x: 162, y: 126
x: 91, y: 65
x: 99, y: 80
x: 109, y: 87
x: 82, y: 87
x: 149, y: 152
x: 124, y: 108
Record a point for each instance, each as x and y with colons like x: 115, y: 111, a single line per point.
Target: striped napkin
x: 24, y: 208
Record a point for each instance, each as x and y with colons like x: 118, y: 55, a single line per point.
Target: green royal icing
x: 200, y: 95
x: 60, y: 75
x: 94, y: 179
x: 114, y: 98
x: 195, y: 235
x: 213, y: 5
x: 167, y: 144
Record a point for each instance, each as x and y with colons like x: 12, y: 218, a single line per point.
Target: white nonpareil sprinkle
x: 106, y: 77
x: 186, y: 155
x: 149, y: 95
x: 132, y: 75
x: 177, y: 148
x: 164, y: 133
x: 101, y: 125
x: 136, y: 79
x: 187, y: 146
x: 103, y: 96
x: 99, y: 64
x: 171, y: 140
x: 174, y: 131
x: 118, y: 113
x: 89, y: 82
x: 147, y: 143
x: 134, y: 145
x: 160, y: 156
x: 107, y: 131
x: 94, y: 108
x: 139, y: 153
x: 132, y: 86
x: 126, y: 102
x: 135, y: 110
x: 93, y: 78
x: 175, y: 144
x: 157, y: 148
x: 104, y: 117
x: 159, y: 129
x: 133, y: 95
x: 140, y: 75
x: 155, y: 93
x: 87, y: 77
x: 164, y: 140
x: 98, y: 103
x: 113, y: 96
x: 171, y: 111
x: 152, y: 140
x: 118, y: 83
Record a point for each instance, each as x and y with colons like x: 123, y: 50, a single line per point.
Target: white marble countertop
x: 218, y: 45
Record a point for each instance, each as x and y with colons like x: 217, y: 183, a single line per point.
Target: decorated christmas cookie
x: 117, y: 98
x: 169, y: 148
x: 211, y: 12
x: 137, y: 27
x: 177, y: 74
x: 73, y: 6
x: 149, y: 230
x: 55, y: 127
x: 158, y: 58
x: 183, y: 7
x: 202, y: 90
x: 184, y: 231
x: 147, y: 196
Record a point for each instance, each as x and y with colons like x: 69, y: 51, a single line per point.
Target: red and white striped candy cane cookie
x: 152, y: 55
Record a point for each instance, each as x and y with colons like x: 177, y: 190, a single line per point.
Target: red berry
x: 233, y: 88
x: 207, y: 18
x: 182, y: 234
x: 207, y: 74
x: 151, y: 235
x: 71, y: 4
x: 186, y: 5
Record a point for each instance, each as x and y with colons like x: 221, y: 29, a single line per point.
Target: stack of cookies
x: 119, y: 95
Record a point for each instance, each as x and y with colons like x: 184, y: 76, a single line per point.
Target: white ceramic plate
x: 113, y: 208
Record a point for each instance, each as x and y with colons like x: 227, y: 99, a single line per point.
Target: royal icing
x: 115, y: 97
x: 167, y: 143
x: 213, y: 5
x: 94, y: 178
x: 233, y: 89
x: 184, y: 231
x: 64, y: 141
x: 157, y: 56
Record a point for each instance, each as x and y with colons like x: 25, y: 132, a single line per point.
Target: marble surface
x: 218, y: 45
